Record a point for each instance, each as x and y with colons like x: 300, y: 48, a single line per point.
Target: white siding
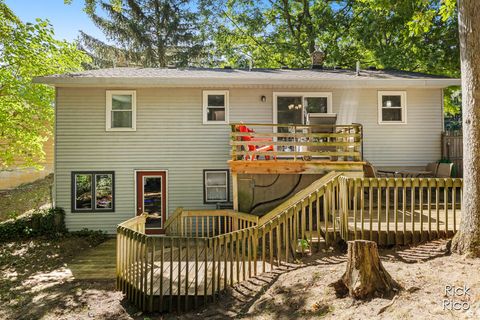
x: 170, y: 136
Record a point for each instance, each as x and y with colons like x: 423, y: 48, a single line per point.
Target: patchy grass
x: 24, y: 198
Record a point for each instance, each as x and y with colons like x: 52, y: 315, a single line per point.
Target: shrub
x: 49, y: 222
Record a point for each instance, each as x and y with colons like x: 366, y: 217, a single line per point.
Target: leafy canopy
x: 26, y: 109
x: 412, y: 35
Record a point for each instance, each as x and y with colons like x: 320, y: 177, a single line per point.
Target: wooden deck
x: 176, y: 272
x: 162, y: 280
x: 403, y: 228
x: 96, y: 263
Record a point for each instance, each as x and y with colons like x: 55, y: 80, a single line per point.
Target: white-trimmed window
x: 392, y: 107
x: 216, y: 185
x: 121, y: 110
x: 215, y: 107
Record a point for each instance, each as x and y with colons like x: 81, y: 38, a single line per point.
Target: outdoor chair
x: 254, y: 147
x: 370, y: 171
x: 444, y: 170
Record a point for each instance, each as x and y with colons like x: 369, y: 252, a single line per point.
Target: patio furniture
x: 444, y: 170
x: 254, y: 147
x: 370, y: 171
x: 328, y: 121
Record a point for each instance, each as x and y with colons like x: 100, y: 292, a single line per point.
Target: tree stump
x: 365, y: 277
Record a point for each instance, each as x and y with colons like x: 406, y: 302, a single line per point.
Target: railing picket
x: 355, y: 203
x: 445, y: 204
x: 170, y: 281
x: 162, y: 250
x: 263, y: 249
x: 196, y: 273
x: 370, y: 207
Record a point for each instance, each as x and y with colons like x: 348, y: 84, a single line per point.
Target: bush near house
x: 49, y: 222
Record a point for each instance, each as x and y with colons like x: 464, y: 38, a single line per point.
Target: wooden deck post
x: 235, y: 191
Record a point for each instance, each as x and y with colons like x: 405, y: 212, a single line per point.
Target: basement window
x: 121, y: 110
x: 93, y: 191
x: 216, y: 185
x: 392, y: 107
x: 215, y: 107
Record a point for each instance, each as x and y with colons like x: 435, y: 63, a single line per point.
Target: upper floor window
x: 392, y: 107
x: 93, y: 191
x: 215, y: 107
x: 121, y: 110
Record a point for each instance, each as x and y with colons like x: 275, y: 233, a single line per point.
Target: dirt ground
x: 35, y: 284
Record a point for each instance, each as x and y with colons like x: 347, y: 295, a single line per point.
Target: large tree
x: 409, y: 35
x: 148, y: 33
x: 26, y: 109
x: 467, y: 240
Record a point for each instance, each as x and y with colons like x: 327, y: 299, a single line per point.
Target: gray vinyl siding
x: 170, y: 136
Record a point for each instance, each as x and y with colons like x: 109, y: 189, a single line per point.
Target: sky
x: 67, y: 20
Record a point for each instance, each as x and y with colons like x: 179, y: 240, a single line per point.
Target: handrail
x: 173, y: 217
x: 298, y: 197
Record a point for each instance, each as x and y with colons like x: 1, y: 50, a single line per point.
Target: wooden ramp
x: 96, y: 263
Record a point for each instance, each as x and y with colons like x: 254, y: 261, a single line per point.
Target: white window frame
x: 403, y: 106
x: 227, y: 185
x: 304, y: 95
x: 206, y: 93
x: 108, y: 118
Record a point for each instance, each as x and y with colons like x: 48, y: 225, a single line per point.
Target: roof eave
x: 223, y: 82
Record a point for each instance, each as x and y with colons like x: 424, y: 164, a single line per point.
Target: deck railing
x: 190, y: 265
x: 400, y: 210
x: 207, y: 223
x: 297, y: 142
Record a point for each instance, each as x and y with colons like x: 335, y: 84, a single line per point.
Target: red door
x: 152, y: 198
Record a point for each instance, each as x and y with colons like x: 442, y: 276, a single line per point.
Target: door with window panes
x: 152, y: 198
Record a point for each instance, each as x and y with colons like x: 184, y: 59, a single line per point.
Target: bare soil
x: 36, y: 284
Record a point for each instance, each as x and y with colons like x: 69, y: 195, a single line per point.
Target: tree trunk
x: 365, y: 277
x: 467, y: 239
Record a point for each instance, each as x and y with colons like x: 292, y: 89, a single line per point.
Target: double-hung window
x: 215, y: 107
x: 392, y: 107
x: 121, y: 110
x: 93, y: 191
x: 216, y: 185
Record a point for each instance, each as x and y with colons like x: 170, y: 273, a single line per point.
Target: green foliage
x: 407, y: 35
x: 28, y: 50
x: 49, y: 222
x: 303, y: 244
x: 148, y: 33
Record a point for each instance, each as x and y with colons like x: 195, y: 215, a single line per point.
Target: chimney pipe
x: 317, y: 59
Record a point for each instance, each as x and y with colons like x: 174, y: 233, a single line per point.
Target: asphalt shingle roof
x: 291, y: 78
x: 290, y: 74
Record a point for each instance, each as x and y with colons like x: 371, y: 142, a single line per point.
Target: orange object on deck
x: 255, y: 148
